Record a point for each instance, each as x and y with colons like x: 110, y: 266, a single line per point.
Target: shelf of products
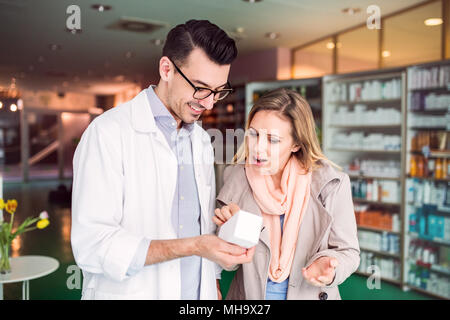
x: 310, y: 89
x: 363, y: 123
x: 427, y: 191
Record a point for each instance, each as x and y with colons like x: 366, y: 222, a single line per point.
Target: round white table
x: 26, y: 268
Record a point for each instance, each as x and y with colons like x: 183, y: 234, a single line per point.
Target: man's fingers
x: 233, y: 249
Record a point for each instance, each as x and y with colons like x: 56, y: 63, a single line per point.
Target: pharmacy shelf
x: 383, y: 253
x: 362, y: 177
x: 438, y: 74
x: 432, y: 267
x: 421, y: 290
x: 366, y: 228
x: 379, y: 203
x: 365, y: 274
x: 433, y: 153
x: 365, y: 126
x: 381, y: 101
x: 337, y: 93
x: 429, y: 179
x: 430, y: 239
x: 364, y: 150
x: 437, y: 209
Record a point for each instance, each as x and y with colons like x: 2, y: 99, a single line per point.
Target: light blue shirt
x: 186, y: 210
x: 274, y: 290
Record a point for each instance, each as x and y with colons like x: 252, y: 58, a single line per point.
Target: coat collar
x: 142, y: 117
x: 141, y: 114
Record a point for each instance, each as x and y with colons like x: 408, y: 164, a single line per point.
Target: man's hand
x: 223, y: 253
x: 321, y: 272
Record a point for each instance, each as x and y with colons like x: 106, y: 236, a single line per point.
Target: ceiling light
x: 101, y: 7
x: 252, y: 1
x: 272, y: 35
x: 351, y: 11
x: 13, y: 107
x: 330, y: 45
x: 157, y: 42
x: 433, y: 22
x: 1, y: 104
x: 54, y: 47
x: 386, y: 53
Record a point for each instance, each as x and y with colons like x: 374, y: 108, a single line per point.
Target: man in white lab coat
x: 144, y: 186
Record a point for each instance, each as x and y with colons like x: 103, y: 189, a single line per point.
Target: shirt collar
x: 160, y: 112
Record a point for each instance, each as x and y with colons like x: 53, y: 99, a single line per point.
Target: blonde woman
x: 308, y: 245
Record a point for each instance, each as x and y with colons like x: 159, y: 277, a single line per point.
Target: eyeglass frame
x: 229, y: 90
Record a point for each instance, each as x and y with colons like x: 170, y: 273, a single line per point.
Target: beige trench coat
x: 328, y: 229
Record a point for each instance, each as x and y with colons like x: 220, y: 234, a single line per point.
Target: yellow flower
x: 11, y: 206
x: 2, y: 204
x: 42, y: 223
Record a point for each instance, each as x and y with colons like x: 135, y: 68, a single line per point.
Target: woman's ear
x: 295, y: 148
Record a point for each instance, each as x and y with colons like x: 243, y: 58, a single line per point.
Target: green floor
x: 55, y: 242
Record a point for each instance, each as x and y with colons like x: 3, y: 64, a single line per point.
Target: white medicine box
x: 243, y: 229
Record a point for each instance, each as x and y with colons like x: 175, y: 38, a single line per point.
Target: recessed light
x: 330, y: 45
x: 272, y: 35
x: 101, y: 7
x: 351, y: 11
x: 386, y: 53
x: 13, y: 107
x: 1, y: 104
x: 157, y: 42
x: 433, y: 22
x: 54, y: 47
x: 252, y: 1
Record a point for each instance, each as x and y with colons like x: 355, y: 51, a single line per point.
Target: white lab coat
x: 123, y: 184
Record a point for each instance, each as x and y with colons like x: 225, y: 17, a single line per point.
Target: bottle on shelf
x: 413, y: 166
x: 420, y: 167
x: 438, y: 172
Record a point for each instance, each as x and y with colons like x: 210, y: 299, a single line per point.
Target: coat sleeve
x: 343, y: 240
x: 100, y: 244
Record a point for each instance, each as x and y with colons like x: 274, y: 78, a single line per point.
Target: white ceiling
x: 95, y: 60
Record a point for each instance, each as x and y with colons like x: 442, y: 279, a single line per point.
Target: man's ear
x: 165, y: 68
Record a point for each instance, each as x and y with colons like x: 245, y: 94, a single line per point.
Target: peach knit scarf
x: 291, y: 201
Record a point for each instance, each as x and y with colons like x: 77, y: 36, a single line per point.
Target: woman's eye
x: 274, y: 140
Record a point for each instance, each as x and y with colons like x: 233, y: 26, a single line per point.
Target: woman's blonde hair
x: 296, y: 109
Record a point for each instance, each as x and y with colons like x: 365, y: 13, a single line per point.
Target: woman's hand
x: 321, y: 272
x: 223, y: 214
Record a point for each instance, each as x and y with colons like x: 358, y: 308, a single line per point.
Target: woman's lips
x: 259, y: 161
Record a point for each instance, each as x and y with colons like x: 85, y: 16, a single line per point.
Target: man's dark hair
x: 182, y: 39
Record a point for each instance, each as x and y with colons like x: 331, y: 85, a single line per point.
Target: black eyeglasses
x: 201, y: 93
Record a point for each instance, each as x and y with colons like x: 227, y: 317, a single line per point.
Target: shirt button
x: 181, y: 198
x: 181, y: 167
x: 181, y: 226
x: 174, y: 124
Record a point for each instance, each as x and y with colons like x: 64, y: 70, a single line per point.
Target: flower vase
x: 5, y: 265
